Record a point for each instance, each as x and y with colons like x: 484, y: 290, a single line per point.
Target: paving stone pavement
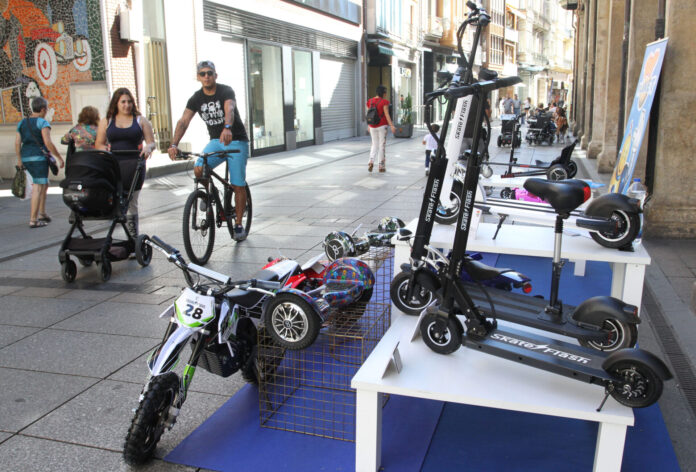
x: 72, y: 356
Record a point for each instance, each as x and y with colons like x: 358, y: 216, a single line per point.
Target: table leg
x: 368, y: 431
x: 633, y: 284
x: 610, y: 445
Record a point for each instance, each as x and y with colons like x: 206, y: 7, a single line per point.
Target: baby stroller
x: 93, y: 190
x: 541, y: 128
x: 510, y: 131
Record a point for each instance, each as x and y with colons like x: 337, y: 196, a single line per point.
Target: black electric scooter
x: 632, y: 376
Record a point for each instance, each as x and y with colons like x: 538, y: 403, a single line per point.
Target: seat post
x: 554, y: 306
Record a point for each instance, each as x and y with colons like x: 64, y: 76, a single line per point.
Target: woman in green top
x: 34, y: 134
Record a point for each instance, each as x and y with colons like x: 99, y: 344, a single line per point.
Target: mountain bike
x: 204, y: 211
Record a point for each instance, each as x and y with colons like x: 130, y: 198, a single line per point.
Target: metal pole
x: 624, y: 71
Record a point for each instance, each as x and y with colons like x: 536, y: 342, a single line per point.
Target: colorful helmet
x: 389, y: 224
x: 338, y: 244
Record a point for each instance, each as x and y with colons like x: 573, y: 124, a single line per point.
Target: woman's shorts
x: 236, y: 161
x: 37, y: 166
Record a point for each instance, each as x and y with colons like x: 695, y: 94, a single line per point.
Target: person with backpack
x: 32, y: 143
x: 378, y: 119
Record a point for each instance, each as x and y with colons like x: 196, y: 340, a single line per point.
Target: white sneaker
x: 427, y: 171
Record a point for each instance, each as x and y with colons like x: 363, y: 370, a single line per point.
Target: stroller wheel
x: 105, y: 270
x: 143, y: 251
x: 500, y: 141
x: 68, y: 270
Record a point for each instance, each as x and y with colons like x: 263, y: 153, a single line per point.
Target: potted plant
x: 404, y: 128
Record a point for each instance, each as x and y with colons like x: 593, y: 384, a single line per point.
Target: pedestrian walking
x: 508, y: 106
x: 378, y: 131
x: 84, y: 134
x: 32, y: 144
x: 516, y: 105
x: 217, y: 106
x: 561, y: 125
x: 527, y: 108
x: 124, y: 129
x: 430, y: 147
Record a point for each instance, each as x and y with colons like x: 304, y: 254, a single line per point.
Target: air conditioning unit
x: 130, y: 23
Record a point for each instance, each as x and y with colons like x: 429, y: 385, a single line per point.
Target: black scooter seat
x: 563, y: 195
x: 480, y: 271
x: 248, y: 298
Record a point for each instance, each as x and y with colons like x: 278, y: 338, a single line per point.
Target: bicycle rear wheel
x: 230, y: 211
x: 198, y: 227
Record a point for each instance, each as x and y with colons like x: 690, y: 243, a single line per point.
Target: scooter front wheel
x: 448, y: 215
x: 398, y: 290
x: 637, y: 386
x: 627, y: 224
x: 150, y: 419
x: 620, y: 335
x: 442, y: 335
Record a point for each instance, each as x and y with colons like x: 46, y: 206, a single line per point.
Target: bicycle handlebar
x: 481, y: 87
x: 183, y: 155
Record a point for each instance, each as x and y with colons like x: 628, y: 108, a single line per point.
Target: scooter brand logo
x: 544, y: 348
x: 462, y: 117
x: 466, y: 210
x: 432, y: 200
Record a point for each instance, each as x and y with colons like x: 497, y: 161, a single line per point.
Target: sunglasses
x: 209, y: 73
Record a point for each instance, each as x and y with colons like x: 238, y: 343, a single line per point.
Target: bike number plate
x: 194, y: 310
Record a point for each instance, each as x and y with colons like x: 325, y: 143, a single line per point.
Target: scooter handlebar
x: 481, y: 87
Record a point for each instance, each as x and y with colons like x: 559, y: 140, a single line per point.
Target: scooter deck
x: 544, y: 353
x: 528, y: 311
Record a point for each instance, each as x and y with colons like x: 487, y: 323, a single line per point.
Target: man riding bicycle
x: 216, y: 105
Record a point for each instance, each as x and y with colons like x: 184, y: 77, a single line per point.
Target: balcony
x: 539, y: 58
x: 434, y: 28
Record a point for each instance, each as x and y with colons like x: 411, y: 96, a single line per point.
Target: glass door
x: 303, y: 96
x: 266, y: 97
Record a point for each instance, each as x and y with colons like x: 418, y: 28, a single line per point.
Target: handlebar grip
x: 163, y: 245
x: 481, y: 87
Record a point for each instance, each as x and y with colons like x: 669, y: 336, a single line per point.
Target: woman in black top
x: 124, y: 129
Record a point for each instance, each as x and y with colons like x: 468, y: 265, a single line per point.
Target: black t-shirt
x: 212, y: 111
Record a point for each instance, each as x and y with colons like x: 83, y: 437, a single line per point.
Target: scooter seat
x: 479, y: 271
x: 564, y: 195
x: 248, y: 298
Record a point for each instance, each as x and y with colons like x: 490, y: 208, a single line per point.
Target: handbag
x: 19, y: 183
x: 52, y: 163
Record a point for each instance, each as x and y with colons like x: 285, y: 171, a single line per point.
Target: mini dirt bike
x: 607, y: 325
x: 413, y: 298
x: 219, y: 318
x: 339, y: 244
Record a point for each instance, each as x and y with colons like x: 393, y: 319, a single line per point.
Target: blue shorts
x: 236, y: 161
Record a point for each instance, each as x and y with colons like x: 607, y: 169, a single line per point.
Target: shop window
x: 303, y: 95
x: 266, y: 96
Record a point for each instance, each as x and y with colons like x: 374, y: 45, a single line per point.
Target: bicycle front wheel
x: 198, y: 227
x: 230, y: 211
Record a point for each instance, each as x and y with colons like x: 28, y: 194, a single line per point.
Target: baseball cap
x: 205, y: 64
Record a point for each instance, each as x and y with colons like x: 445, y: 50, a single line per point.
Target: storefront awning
x: 515, y: 12
x: 386, y: 51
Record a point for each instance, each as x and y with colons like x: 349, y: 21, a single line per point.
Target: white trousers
x: 379, y: 145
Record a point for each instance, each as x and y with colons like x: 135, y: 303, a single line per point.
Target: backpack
x: 372, y: 116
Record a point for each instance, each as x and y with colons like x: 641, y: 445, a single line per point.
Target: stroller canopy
x: 93, y: 169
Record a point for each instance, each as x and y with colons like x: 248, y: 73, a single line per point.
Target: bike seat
x: 248, y: 298
x: 479, y: 271
x: 563, y: 195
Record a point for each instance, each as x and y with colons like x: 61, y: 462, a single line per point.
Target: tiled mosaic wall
x: 46, y: 46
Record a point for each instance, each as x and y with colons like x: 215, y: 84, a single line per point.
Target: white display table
x: 628, y: 268
x: 474, y: 378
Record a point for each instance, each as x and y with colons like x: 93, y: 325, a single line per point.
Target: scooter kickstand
x: 606, y: 396
x: 500, y: 223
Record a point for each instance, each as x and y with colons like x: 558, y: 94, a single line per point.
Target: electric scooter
x: 632, y: 376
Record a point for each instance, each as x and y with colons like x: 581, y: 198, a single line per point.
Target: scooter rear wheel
x: 628, y: 225
x: 638, y: 385
x: 620, y: 335
x: 442, y: 335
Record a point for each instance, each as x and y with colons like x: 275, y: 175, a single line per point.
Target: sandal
x: 382, y: 168
x: 44, y: 217
x: 369, y: 167
x: 37, y: 224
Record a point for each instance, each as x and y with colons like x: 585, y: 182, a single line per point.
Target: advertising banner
x: 638, y: 119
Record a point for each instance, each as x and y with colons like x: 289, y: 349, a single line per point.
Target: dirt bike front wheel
x: 150, y: 419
